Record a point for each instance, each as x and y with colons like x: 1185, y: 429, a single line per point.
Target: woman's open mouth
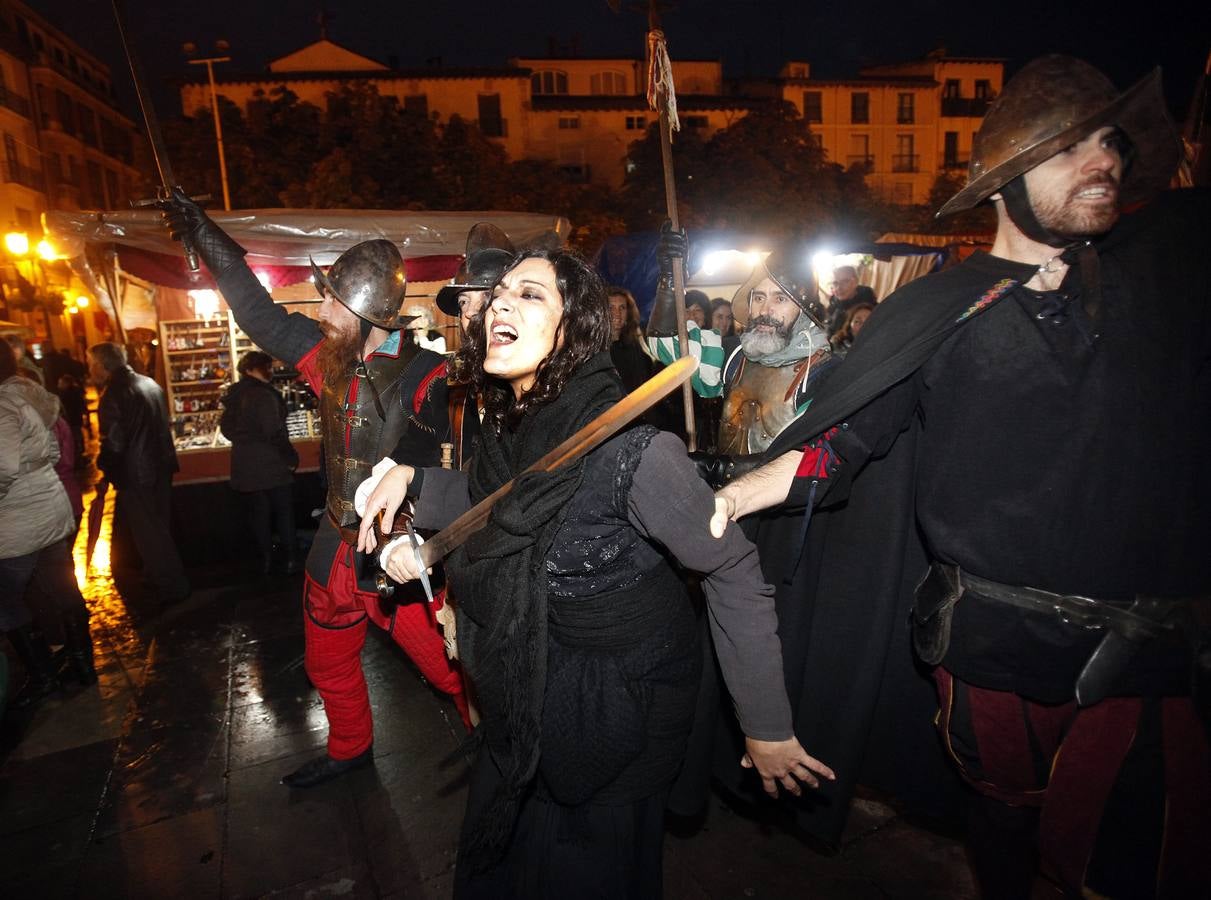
x: 503, y: 334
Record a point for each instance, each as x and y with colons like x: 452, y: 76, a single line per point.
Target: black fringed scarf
x: 499, y: 578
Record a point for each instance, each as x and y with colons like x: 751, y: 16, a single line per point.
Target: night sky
x: 750, y: 36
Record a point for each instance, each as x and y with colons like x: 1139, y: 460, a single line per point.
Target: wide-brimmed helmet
x: 369, y: 280
x: 1056, y: 101
x: 489, y: 253
x: 789, y: 270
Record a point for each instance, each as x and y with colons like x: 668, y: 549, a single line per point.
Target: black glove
x: 717, y: 470
x: 671, y: 249
x: 187, y: 221
x: 672, y: 245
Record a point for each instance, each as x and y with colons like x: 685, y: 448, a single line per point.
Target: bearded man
x: 767, y: 381
x: 369, y: 380
x: 1021, y: 442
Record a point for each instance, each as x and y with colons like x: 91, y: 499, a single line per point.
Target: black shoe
x: 325, y: 768
x: 79, y: 646
x: 35, y: 654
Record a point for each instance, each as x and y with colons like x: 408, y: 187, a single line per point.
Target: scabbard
x: 1113, y: 653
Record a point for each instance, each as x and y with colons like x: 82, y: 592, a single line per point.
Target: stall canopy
x: 279, y: 241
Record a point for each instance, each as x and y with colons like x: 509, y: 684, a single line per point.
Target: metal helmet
x: 791, y: 271
x: 369, y: 280
x: 489, y: 253
x: 1056, y: 101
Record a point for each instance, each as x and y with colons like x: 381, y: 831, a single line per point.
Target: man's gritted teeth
x: 1101, y: 190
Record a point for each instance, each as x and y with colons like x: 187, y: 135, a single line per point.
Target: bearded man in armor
x: 1014, y: 455
x: 767, y: 381
x: 369, y: 380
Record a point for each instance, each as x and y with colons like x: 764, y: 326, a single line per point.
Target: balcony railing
x: 864, y: 162
x: 905, y: 162
x: 959, y: 107
x: 14, y: 101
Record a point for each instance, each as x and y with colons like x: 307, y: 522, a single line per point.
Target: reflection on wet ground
x: 162, y: 779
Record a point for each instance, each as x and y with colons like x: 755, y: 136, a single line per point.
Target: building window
x: 569, y: 123
x: 23, y: 32
x: 490, y: 122
x: 983, y: 89
x: 905, y: 159
x: 549, y: 83
x: 813, y: 106
x: 67, y: 112
x: 608, y: 83
x: 950, y: 150
x: 88, y: 124
x: 417, y: 104
x: 95, y: 185
x: 694, y: 123
x: 951, y: 90
x: 10, y: 152
x: 859, y: 108
x: 637, y: 123
x: 859, y: 153
x: 904, y: 109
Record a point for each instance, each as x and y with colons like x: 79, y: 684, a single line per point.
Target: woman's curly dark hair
x: 584, y: 327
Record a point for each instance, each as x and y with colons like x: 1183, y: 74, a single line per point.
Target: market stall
x: 141, y: 279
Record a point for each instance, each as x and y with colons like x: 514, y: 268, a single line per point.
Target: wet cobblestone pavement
x: 161, y: 781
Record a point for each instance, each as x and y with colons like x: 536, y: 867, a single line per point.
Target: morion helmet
x: 1055, y: 101
x: 489, y: 253
x: 792, y: 272
x: 369, y: 280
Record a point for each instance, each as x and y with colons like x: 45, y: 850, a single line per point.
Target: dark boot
x: 79, y: 645
x: 325, y: 768
x: 34, y: 653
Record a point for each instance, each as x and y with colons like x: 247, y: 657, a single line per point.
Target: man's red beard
x: 339, y: 352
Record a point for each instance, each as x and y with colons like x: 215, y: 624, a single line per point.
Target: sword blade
x: 600, y: 429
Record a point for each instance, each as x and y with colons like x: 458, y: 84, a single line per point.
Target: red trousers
x: 333, y: 655
x: 1093, y: 774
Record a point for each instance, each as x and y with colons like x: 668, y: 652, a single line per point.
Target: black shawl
x: 499, y: 578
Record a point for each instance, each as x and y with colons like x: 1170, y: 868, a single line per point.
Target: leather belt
x: 1072, y: 609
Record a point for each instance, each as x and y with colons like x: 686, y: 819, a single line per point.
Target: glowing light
x: 753, y: 258
x: 82, y: 302
x: 72, y: 310
x: 263, y: 278
x: 822, y: 260
x: 47, y: 250
x: 205, y: 303
x: 16, y: 243
x: 712, y: 261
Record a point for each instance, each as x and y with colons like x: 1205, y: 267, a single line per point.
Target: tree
x: 765, y: 173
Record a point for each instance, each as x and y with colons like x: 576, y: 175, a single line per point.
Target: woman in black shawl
x: 572, y: 623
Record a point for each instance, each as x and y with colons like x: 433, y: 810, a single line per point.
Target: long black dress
x: 582, y: 642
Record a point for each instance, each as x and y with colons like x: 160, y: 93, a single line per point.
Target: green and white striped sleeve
x: 706, y: 346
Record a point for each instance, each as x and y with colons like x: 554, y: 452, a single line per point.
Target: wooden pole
x: 670, y: 201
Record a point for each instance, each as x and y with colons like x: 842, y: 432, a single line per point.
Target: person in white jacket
x: 36, y: 521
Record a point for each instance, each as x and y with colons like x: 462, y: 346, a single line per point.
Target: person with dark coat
x: 138, y: 458
x: 1015, y: 453
x: 847, y: 295
x: 262, y: 458
x: 574, y: 627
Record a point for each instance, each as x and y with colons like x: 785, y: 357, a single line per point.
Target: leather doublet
x: 355, y: 437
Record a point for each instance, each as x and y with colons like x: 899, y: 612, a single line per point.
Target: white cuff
x: 366, y: 488
x: 390, y: 546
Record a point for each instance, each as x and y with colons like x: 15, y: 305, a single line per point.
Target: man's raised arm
x: 286, y: 336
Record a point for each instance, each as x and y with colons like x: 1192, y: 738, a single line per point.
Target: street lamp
x: 191, y: 49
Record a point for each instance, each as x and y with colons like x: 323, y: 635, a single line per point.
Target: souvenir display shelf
x: 200, y: 356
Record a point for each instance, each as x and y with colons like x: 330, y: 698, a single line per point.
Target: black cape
x: 861, y: 701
